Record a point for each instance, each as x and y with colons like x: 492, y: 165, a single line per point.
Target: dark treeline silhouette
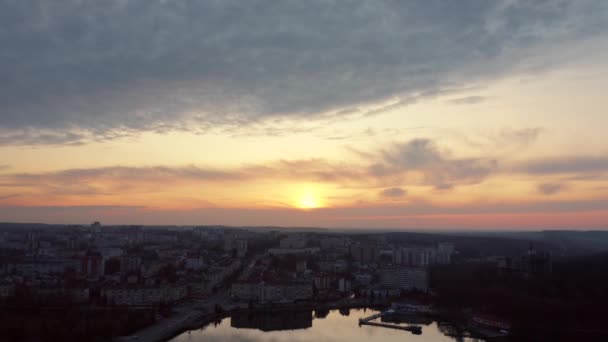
x: 30, y: 317
x: 567, y: 304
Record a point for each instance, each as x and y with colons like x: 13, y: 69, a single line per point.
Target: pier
x: 414, y: 329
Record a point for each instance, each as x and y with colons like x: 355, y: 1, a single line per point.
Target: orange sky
x: 311, y: 120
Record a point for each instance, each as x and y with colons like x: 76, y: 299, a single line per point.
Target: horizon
x: 316, y: 229
x: 468, y: 116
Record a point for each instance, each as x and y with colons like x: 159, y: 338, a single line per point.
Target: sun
x: 308, y: 200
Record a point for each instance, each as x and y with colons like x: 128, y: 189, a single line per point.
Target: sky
x: 417, y: 115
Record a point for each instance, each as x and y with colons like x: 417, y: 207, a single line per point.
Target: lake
x: 330, y: 325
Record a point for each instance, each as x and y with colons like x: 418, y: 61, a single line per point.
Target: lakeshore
x: 306, y: 325
x: 193, y: 318
x: 189, y: 316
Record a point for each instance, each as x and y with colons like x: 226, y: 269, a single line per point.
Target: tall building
x: 344, y: 285
x: 444, y: 253
x: 241, y: 247
x: 418, y: 256
x: 406, y: 278
x: 228, y: 243
x: 129, y: 264
x: 397, y: 256
x: 33, y: 242
x: 135, y: 235
x: 92, y: 265
x: 365, y: 252
x: 530, y: 264
x: 95, y: 227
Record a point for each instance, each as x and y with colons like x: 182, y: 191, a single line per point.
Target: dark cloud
x: 550, y: 188
x: 77, y: 71
x: 393, y: 192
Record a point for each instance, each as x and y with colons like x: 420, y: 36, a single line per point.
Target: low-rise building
x: 295, y: 241
x: 272, y: 292
x: 144, y: 295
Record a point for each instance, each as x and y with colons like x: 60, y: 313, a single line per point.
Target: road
x: 185, y: 314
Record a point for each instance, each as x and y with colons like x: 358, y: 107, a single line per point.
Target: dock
x: 414, y: 329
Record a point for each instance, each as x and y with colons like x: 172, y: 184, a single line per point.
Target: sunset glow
x: 482, y: 120
x: 308, y: 201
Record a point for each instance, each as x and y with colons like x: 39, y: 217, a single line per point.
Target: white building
x: 444, y: 253
x: 418, y: 256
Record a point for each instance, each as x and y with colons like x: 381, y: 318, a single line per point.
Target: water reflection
x: 408, y: 319
x: 322, y: 325
x: 273, y: 321
x: 321, y: 313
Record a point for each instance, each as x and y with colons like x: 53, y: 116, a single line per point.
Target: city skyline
x: 385, y: 115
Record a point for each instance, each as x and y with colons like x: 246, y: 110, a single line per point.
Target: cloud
x: 3, y: 197
x: 519, y: 137
x: 468, y: 100
x: 79, y: 71
x: 116, y: 180
x: 437, y: 167
x: 4, y: 167
x: 416, y: 162
x: 41, y: 137
x: 566, y: 165
x: 393, y: 192
x: 506, y: 140
x: 550, y: 188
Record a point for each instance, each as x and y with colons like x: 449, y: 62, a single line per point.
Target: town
x: 161, y: 280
